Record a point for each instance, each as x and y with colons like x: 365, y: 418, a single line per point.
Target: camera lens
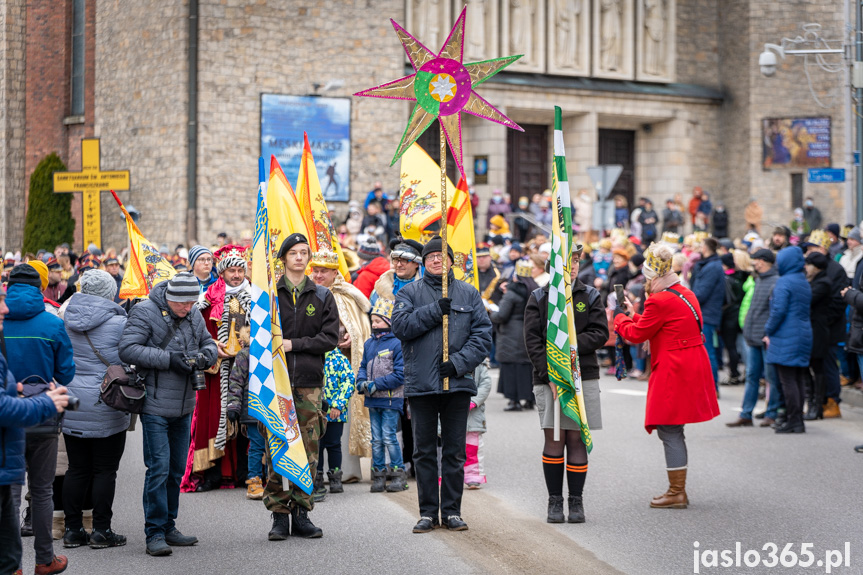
x: 73, y: 404
x: 199, y: 380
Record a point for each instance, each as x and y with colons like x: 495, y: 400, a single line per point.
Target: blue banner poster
x: 328, y: 124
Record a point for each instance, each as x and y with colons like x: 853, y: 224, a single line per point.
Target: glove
x: 445, y: 303
x: 472, y: 405
x: 370, y: 387
x: 201, y: 361
x: 620, y: 311
x: 179, y: 363
x: 234, y: 416
x: 447, y: 369
x: 361, y: 387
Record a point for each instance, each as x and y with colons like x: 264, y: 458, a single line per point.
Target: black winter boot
x: 320, y: 492
x: 555, y: 509
x: 379, y: 480
x: 302, y: 525
x: 26, y: 524
x: 815, y: 405
x: 335, y: 481
x: 576, y: 509
x: 281, y: 527
x: 399, y: 480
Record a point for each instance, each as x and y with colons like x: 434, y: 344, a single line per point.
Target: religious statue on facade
x: 654, y: 37
x: 427, y: 20
x: 522, y: 13
x: 610, y: 35
x: 568, y: 25
x: 477, y: 15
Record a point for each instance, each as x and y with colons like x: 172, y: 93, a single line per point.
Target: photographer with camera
x: 165, y: 338
x: 38, y: 352
x: 15, y: 415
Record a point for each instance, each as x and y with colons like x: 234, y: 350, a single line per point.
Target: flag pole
x: 443, y: 251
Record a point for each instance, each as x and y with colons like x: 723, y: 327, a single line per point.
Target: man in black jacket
x: 310, y: 328
x: 591, y: 328
x: 417, y: 322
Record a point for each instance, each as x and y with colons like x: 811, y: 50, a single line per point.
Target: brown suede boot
x: 831, y: 409
x: 675, y: 497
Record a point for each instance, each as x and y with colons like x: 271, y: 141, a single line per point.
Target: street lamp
x: 813, y: 44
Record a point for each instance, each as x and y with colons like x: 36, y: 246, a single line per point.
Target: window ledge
x: 71, y: 120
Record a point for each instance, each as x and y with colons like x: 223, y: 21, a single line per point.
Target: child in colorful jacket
x: 381, y: 380
x: 338, y: 388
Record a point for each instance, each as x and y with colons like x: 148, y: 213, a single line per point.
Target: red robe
x: 205, y: 425
x: 681, y: 388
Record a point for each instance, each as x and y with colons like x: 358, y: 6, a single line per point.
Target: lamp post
x: 813, y: 44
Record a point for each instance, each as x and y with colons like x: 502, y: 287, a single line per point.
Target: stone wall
x: 12, y: 78
x: 141, y: 114
x: 246, y: 50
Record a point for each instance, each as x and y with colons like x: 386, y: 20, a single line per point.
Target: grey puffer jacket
x: 103, y: 321
x: 417, y: 322
x: 759, y: 308
x: 169, y: 394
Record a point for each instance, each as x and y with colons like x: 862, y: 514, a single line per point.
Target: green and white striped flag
x: 561, y: 345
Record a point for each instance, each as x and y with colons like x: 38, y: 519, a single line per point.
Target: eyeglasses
x: 435, y: 257
x: 205, y: 260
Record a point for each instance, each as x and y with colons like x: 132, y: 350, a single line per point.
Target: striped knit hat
x: 183, y: 288
x: 196, y: 252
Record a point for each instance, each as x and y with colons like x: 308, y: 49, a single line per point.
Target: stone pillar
x: 13, y: 179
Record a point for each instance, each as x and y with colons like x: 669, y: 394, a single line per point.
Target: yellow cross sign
x: 91, y: 181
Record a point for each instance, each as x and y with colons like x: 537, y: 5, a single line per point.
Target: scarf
x: 244, y: 297
x: 217, y: 294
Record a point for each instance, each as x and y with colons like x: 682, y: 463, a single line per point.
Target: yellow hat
x: 43, y: 271
x: 325, y: 259
x: 523, y: 268
x: 820, y: 238
x: 656, y: 265
x: 383, y: 308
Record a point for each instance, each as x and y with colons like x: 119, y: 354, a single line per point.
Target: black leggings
x: 93, y: 460
x: 729, y: 340
x: 793, y: 380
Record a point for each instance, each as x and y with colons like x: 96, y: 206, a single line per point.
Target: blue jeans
x: 257, y: 445
x: 166, y: 446
x: 708, y: 331
x: 755, y: 368
x: 384, y: 439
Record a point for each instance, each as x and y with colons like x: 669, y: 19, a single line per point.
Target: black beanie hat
x: 434, y: 245
x: 727, y: 260
x: 25, y: 274
x: 818, y: 260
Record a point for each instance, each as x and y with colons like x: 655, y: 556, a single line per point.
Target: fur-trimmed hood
x: 384, y: 285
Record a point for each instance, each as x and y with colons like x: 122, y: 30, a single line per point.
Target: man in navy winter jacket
x: 15, y: 415
x: 417, y: 322
x: 38, y: 348
x: 709, y: 288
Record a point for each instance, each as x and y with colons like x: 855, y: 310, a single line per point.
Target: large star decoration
x: 442, y: 88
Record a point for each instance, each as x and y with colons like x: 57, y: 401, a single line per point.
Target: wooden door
x: 618, y: 147
x: 527, y: 161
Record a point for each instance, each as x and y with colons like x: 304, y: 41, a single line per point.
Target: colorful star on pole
x: 442, y: 88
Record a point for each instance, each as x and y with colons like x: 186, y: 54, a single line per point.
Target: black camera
x: 198, y: 365
x: 74, y: 403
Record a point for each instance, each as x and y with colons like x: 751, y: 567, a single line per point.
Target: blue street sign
x: 826, y: 175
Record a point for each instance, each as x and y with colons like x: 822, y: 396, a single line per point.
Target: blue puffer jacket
x: 417, y: 322
x: 709, y: 288
x: 103, y: 320
x: 36, y: 341
x: 15, y: 415
x: 788, y: 326
x: 382, y: 364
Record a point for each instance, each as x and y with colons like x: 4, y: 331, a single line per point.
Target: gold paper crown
x: 820, y: 238
x: 325, y: 259
x: 701, y: 236
x: 845, y: 231
x: 383, y: 308
x: 657, y: 265
x: 670, y: 238
x: 523, y: 268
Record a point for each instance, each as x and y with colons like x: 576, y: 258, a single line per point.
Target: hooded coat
x: 370, y: 274
x: 509, y: 323
x: 36, y: 341
x: 709, y: 288
x: 788, y: 325
x: 103, y: 321
x: 169, y: 394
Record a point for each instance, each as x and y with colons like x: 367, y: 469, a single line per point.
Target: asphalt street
x: 745, y: 485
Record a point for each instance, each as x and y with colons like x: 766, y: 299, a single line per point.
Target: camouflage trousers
x: 312, y: 422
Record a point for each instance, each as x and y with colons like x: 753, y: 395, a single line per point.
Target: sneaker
x: 177, y: 539
x: 58, y: 565
x: 102, y: 538
x: 75, y: 538
x: 455, y: 523
x: 474, y: 485
x: 425, y: 525
x: 254, y: 489
x: 157, y: 547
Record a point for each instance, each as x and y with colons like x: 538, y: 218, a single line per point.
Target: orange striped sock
x: 576, y: 474
x: 552, y: 468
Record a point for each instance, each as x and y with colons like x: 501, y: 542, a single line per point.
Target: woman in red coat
x: 681, y: 388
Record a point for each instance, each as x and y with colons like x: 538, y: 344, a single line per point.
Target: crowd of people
x: 370, y: 378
